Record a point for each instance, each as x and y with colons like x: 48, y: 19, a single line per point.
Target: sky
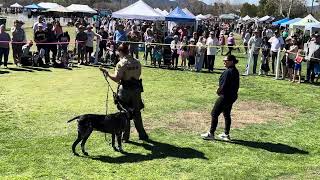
x: 249, y: 1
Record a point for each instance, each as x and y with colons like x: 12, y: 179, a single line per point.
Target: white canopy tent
x: 48, y: 5
x: 303, y: 22
x: 265, y: 19
x: 59, y: 9
x: 165, y: 12
x: 201, y: 17
x: 16, y: 5
x: 139, y: 10
x: 81, y: 8
x: 312, y: 27
x: 246, y: 18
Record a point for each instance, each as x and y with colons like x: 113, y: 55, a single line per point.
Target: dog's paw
x: 76, y: 154
x: 86, y: 154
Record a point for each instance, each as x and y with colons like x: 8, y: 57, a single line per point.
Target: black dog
x: 114, y: 124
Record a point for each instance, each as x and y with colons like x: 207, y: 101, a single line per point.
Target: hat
x: 40, y: 25
x: 89, y: 27
x: 17, y: 21
x: 231, y: 34
x: 102, y: 27
x: 81, y: 27
x: 256, y: 31
x: 211, y: 32
x: 21, y: 22
x: 192, y: 40
x: 175, y: 37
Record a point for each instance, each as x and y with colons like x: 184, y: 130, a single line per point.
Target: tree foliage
x: 249, y: 9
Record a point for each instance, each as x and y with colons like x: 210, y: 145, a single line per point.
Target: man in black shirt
x: 228, y: 94
x: 103, y: 43
x: 52, y: 39
x: 40, y: 37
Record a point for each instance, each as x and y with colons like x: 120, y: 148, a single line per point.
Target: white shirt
x: 212, y: 42
x: 35, y: 26
x: 246, y: 38
x: 276, y: 43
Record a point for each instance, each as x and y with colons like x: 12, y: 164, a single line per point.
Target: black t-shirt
x: 229, y: 83
x: 83, y: 37
x: 64, y: 37
x: 51, y: 37
x: 40, y: 36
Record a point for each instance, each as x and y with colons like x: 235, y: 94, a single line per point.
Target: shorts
x: 297, y: 67
x: 89, y: 49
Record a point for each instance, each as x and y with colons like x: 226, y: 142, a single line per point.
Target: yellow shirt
x: 128, y: 68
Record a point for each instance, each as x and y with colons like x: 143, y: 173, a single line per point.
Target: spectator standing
x: 40, y: 21
x: 103, y: 43
x: 264, y: 68
x: 52, y: 46
x: 89, y: 43
x: 246, y: 39
x: 212, y: 45
x: 230, y: 42
x: 81, y: 39
x: 134, y: 36
x: 18, y: 39
x: 40, y: 37
x: 276, y: 45
x: 201, y: 49
x: 254, y: 45
x: 192, y: 50
x: 4, y: 46
x: 174, y: 51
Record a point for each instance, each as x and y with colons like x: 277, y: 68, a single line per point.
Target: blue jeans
x: 4, y: 52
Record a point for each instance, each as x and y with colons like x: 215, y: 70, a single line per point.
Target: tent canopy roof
x: 291, y: 21
x: 281, y: 21
x: 266, y: 19
x: 312, y: 25
x: 81, y: 8
x: 201, y: 17
x: 187, y: 12
x: 228, y: 16
x: 59, y: 9
x: 138, y: 10
x: 178, y: 15
x: 48, y: 5
x: 33, y: 6
x: 16, y: 5
x: 303, y: 22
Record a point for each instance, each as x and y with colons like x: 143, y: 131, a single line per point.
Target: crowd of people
x: 194, y: 50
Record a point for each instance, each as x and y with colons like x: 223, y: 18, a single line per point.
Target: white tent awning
x: 16, y: 5
x: 48, y: 5
x: 59, y: 9
x: 138, y: 10
x: 81, y: 8
x: 201, y: 17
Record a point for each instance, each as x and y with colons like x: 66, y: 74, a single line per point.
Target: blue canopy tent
x: 34, y: 6
x: 276, y: 23
x: 177, y: 15
x: 290, y: 22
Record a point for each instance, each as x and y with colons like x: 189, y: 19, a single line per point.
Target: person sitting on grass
x: 297, y: 66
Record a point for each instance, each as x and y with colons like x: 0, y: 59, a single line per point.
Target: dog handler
x: 228, y: 94
x: 127, y: 74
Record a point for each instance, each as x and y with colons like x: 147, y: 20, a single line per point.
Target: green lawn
x: 36, y: 140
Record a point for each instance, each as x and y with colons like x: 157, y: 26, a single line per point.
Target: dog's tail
x: 73, y: 119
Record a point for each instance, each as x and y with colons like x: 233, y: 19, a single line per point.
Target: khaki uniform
x: 129, y: 69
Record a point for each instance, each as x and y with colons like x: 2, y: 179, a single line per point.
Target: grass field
x: 35, y: 104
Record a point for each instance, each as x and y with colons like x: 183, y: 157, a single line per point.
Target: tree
x: 248, y: 9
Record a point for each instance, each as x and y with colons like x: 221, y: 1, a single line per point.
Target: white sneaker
x: 224, y: 137
x: 207, y: 136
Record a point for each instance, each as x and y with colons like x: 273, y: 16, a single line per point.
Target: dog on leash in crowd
x: 113, y: 124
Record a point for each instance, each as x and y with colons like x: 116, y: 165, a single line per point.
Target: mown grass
x: 36, y: 140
